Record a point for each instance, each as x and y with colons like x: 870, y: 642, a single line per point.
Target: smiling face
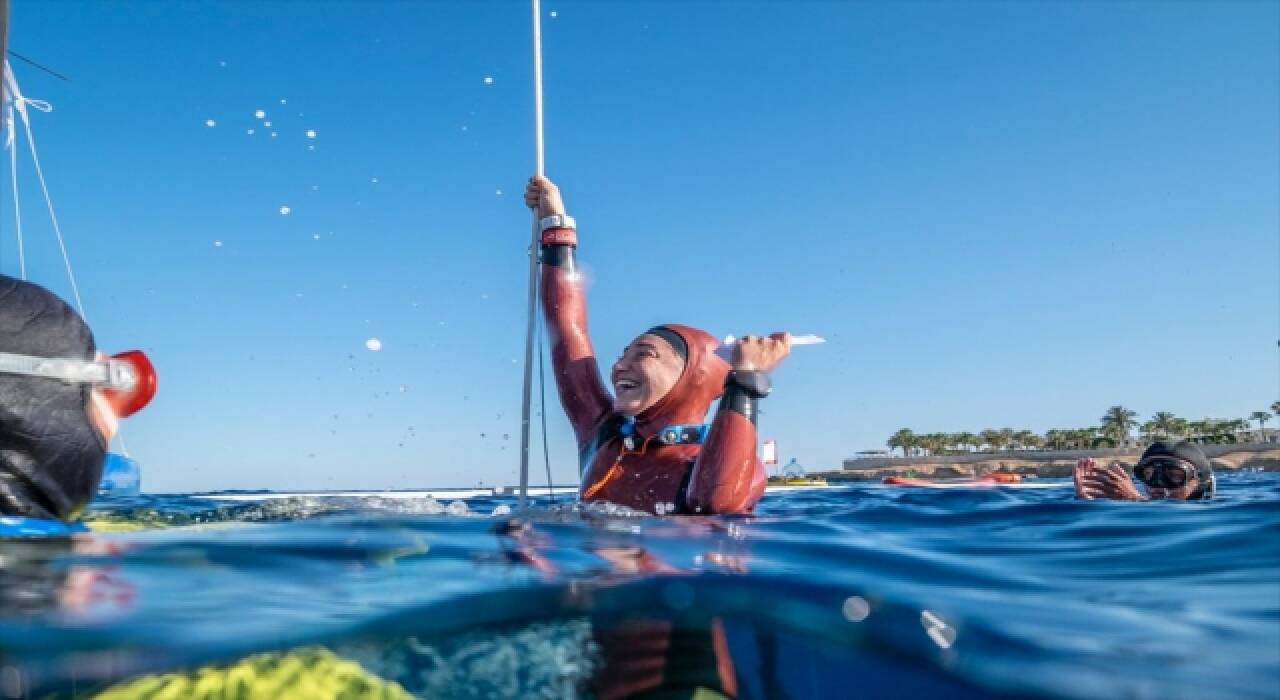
x: 648, y: 369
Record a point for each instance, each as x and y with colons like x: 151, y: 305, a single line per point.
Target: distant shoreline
x: 1046, y: 465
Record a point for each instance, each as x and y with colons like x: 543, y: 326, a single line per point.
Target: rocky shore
x: 966, y: 466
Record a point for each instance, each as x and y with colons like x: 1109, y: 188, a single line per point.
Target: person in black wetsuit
x: 1168, y: 471
x: 57, y: 412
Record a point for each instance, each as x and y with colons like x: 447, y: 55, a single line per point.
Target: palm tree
x: 1118, y: 421
x: 1162, y: 424
x: 1053, y: 439
x: 1006, y: 438
x: 1275, y: 409
x: 1057, y: 439
x: 992, y: 439
x: 1084, y: 437
x: 1262, y: 417
x: 968, y: 440
x: 928, y: 442
x: 1027, y: 439
x: 904, y: 439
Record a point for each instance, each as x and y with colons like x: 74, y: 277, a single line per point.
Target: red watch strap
x: 560, y: 236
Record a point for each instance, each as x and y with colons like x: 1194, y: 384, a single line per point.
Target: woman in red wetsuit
x: 643, y: 447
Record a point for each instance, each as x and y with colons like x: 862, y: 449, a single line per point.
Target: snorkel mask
x: 128, y: 380
x: 1164, y: 473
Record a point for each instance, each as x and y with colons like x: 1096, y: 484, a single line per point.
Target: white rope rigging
x: 13, y: 180
x: 19, y: 103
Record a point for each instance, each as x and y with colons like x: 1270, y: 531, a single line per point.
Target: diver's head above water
x: 668, y: 369
x: 1178, y: 471
x: 59, y: 403
x: 1168, y: 472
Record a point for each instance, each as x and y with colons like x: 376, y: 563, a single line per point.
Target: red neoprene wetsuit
x: 723, y: 475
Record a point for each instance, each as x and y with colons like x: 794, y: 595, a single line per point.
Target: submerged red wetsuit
x: 723, y: 475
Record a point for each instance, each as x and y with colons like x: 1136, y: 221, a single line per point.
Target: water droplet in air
x: 555, y: 14
x: 249, y: 132
x: 285, y: 211
x: 373, y: 344
x: 284, y: 101
x: 374, y: 180
x: 488, y: 80
x: 267, y: 124
x: 315, y: 236
x: 210, y: 123
x: 498, y: 192
x: 311, y: 133
x: 222, y: 64
x: 217, y: 244
x: 260, y: 114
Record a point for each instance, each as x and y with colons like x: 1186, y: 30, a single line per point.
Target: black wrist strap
x: 738, y: 399
x: 557, y: 255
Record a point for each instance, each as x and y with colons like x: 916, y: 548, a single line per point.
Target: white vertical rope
x: 11, y: 145
x: 539, y: 158
x: 17, y: 201
x: 532, y: 307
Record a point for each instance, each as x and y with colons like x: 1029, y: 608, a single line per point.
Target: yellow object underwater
x: 795, y: 481
x: 120, y: 526
x: 310, y: 673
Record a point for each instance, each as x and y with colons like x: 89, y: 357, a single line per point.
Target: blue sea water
x: 853, y: 591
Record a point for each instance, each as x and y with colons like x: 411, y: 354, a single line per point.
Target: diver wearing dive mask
x: 60, y: 402
x: 1177, y: 472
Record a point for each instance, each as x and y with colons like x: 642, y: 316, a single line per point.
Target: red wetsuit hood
x: 701, y: 383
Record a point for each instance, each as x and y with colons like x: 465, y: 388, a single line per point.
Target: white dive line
x: 539, y: 169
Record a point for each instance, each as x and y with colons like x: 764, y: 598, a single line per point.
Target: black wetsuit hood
x: 51, y: 455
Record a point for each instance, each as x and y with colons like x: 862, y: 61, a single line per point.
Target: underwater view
x: 852, y: 591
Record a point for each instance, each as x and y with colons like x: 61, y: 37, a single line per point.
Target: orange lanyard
x: 615, y: 469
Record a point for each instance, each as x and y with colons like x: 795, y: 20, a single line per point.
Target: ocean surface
x: 853, y: 591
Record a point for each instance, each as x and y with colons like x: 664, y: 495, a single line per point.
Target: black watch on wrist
x: 755, y: 384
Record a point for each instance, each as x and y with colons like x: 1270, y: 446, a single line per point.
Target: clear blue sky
x: 1000, y: 214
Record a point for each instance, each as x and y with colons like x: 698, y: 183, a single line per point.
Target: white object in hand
x: 725, y: 351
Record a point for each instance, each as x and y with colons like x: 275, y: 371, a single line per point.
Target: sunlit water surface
x: 857, y: 590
